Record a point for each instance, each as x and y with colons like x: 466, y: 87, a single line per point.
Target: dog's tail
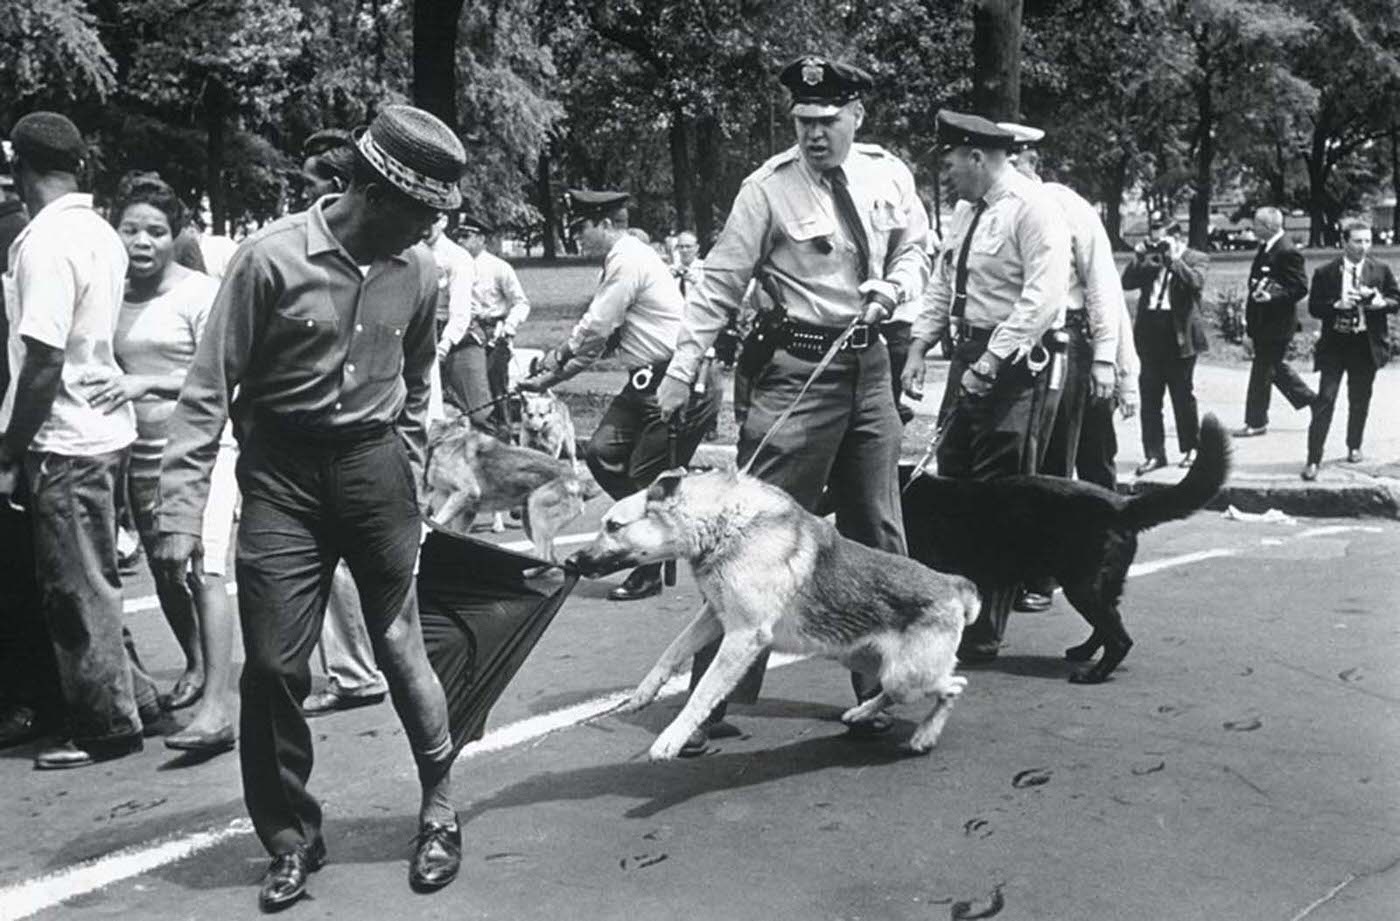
x: 1198, y: 487
x: 971, y: 599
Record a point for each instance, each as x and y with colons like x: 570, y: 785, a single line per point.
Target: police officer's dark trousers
x: 1061, y: 453
x: 309, y: 502
x: 989, y: 437
x: 844, y: 434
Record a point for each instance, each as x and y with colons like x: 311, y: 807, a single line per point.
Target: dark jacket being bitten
x: 1005, y: 531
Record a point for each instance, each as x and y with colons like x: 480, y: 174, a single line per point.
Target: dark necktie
x: 1355, y: 286
x: 1162, y: 294
x: 959, y: 307
x: 850, y: 218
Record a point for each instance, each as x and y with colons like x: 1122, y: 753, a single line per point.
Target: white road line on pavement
x: 21, y: 900
x: 151, y: 602
x: 1339, y: 529
x: 32, y: 896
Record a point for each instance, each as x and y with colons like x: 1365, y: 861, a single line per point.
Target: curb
x: 1360, y: 497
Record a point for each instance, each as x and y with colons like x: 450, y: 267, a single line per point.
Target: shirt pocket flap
x: 888, y: 215
x: 988, y: 236
x: 807, y: 229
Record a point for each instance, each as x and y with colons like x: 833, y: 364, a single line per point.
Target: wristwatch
x: 983, y: 369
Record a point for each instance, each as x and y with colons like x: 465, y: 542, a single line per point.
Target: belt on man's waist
x: 297, y: 427
x: 970, y: 333
x: 648, y: 377
x: 808, y: 342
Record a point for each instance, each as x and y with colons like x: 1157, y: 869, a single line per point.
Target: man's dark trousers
x: 309, y: 502
x: 1270, y: 368
x: 28, y: 673
x: 1174, y: 375
x: 1063, y: 435
x: 630, y: 447
x: 1096, y: 461
x: 1350, y: 355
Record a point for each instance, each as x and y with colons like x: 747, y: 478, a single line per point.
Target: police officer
x: 1092, y: 322
x: 499, y: 307
x: 835, y: 232
x: 635, y: 314
x: 1001, y: 285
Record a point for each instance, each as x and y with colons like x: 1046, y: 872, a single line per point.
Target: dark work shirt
x: 310, y: 340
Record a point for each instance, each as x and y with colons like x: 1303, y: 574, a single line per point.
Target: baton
x: 668, y: 569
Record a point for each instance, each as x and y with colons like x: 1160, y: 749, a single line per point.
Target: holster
x: 766, y: 337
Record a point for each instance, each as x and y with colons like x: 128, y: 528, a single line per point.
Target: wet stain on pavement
x: 1169, y: 710
x: 1143, y: 768
x: 1032, y: 777
x: 132, y: 807
x: 1245, y: 672
x: 1248, y: 725
x: 507, y: 856
x: 1351, y: 674
x: 368, y: 734
x: 642, y: 861
x: 968, y: 911
x: 981, y: 828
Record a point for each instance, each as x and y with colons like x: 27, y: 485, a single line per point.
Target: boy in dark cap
x: 835, y: 230
x: 67, y: 274
x: 324, y: 324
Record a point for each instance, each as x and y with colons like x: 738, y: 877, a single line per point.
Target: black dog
x: 1003, y: 532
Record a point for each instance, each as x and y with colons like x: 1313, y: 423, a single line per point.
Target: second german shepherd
x: 1001, y: 532
x: 775, y: 576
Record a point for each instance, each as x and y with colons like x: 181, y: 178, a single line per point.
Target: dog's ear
x: 665, y: 486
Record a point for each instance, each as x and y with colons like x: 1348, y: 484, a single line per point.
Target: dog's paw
x: 638, y: 701
x: 919, y: 746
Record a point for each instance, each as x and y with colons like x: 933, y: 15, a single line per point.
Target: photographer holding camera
x: 1351, y: 295
x: 1169, y: 334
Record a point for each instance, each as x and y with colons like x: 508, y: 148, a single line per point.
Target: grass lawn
x: 559, y: 294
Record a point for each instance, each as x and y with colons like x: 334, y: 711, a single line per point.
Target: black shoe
x: 1250, y: 431
x: 1032, y: 602
x: 436, y: 857
x: 1309, y: 472
x: 644, y: 582
x: 70, y: 754
x: 203, y: 743
x: 973, y: 652
x: 1354, y: 456
x: 285, y: 882
x: 1149, y: 465
x: 1188, y: 458
x: 696, y: 745
x: 19, y: 724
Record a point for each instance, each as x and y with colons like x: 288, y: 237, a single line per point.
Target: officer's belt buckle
x: 641, y: 378
x: 859, y: 338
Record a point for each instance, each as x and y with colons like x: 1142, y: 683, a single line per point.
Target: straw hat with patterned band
x: 417, y: 154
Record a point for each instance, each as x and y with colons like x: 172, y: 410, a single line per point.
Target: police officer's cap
x: 589, y: 204
x: 821, y: 87
x: 471, y: 223
x: 1026, y: 136
x: 956, y: 129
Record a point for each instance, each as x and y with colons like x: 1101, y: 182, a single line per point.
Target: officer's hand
x: 974, y: 386
x: 1127, y: 405
x: 874, y: 314
x: 1103, y: 377
x: 1140, y: 250
x: 538, y: 383
x: 912, y: 380
x: 881, y: 298
x: 172, y: 554
x: 671, y: 397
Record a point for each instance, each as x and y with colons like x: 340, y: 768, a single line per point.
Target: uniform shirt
x: 784, y: 223
x: 1093, y: 278
x: 1018, y: 267
x: 66, y: 278
x: 310, y: 340
x: 497, y: 292
x: 638, y: 295
x: 456, y: 281
x: 1125, y: 359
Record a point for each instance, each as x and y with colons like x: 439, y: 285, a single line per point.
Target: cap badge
x: 811, y: 71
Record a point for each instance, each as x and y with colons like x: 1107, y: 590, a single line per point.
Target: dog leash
x: 934, y: 443
x: 822, y: 365
x: 490, y: 403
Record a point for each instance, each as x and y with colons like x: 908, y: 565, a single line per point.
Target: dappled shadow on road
x: 119, y: 828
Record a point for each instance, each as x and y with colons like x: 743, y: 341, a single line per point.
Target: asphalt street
x: 1244, y: 763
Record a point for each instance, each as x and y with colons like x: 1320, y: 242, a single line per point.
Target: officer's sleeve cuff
x: 683, y: 368
x: 1106, y: 351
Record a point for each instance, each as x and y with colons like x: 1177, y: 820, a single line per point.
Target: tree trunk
x: 996, y: 59
x: 545, y: 190
x: 1199, y: 233
x: 215, y: 115
x: 682, y: 180
x: 709, y: 151
x: 435, y: 57
x: 1395, y: 181
x: 1316, y: 160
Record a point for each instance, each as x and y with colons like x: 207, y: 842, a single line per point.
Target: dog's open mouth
x: 593, y: 565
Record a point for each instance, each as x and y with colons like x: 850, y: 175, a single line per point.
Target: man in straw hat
x: 325, y: 325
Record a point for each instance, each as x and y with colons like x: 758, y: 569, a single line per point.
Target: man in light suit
x: 1277, y: 282
x: 1352, y: 296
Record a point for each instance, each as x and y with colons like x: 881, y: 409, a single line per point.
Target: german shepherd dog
x: 775, y: 576
x: 1001, y: 532
x: 468, y: 472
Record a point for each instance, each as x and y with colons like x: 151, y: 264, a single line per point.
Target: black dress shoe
x: 1032, y: 602
x: 1149, y: 465
x: 644, y: 582
x: 978, y: 651
x: 1250, y: 431
x: 285, y: 882
x: 436, y: 857
x: 1354, y: 456
x: 202, y: 743
x: 1309, y: 472
x: 1188, y: 458
x: 695, y: 745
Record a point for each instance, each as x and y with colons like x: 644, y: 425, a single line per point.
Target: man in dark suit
x: 1352, y: 296
x: 1169, y: 335
x: 1277, y: 281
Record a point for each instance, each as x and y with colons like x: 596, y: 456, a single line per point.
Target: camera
x: 1160, y: 248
